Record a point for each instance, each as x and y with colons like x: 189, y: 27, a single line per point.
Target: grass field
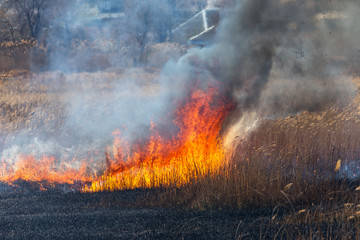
x: 301, y: 172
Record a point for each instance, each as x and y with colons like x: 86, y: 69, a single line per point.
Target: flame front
x: 195, y: 151
x: 160, y: 160
x: 46, y: 169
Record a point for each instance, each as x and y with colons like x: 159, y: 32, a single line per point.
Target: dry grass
x: 307, y: 164
x: 37, y: 102
x: 297, y: 161
x: 287, y: 160
x: 21, y: 103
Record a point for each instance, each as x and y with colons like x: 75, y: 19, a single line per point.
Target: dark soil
x: 62, y: 213
x: 59, y: 215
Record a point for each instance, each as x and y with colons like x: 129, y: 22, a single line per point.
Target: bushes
x: 15, y: 55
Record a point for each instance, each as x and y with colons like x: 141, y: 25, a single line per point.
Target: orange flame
x: 196, y: 150
x: 44, y: 169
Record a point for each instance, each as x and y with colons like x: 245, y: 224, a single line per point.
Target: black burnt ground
x: 56, y: 215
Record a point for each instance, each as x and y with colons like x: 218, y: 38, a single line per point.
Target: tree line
x: 27, y: 19
x: 49, y: 26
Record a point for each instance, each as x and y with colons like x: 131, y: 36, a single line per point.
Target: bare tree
x: 28, y: 15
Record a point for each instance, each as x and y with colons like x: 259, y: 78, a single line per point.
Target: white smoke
x: 211, y: 4
x: 271, y: 58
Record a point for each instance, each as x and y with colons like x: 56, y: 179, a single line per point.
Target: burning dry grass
x: 298, y: 159
x: 301, y: 160
x: 194, y: 152
x: 36, y: 106
x: 306, y: 163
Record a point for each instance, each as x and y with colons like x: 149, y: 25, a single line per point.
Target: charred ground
x: 128, y: 214
x: 56, y: 215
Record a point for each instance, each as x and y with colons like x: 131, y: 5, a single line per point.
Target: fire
x: 194, y: 151
x: 46, y: 169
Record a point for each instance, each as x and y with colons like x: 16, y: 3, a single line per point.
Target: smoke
x: 272, y: 59
x: 220, y: 3
x: 269, y: 58
x: 281, y: 58
x: 211, y: 4
x: 313, y: 57
x: 95, y: 35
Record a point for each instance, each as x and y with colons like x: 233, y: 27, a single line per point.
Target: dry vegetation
x: 15, y: 54
x: 307, y: 164
x: 304, y: 168
x: 84, y: 55
x: 34, y: 102
x: 296, y: 161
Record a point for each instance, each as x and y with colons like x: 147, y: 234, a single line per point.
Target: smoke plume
x: 272, y: 58
x: 282, y: 58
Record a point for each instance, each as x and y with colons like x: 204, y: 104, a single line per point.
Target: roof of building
x: 199, y: 28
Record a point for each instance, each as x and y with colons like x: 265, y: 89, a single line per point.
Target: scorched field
x: 202, y: 120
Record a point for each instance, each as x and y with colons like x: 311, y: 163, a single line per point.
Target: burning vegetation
x: 264, y: 114
x: 160, y: 160
x: 195, y: 151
